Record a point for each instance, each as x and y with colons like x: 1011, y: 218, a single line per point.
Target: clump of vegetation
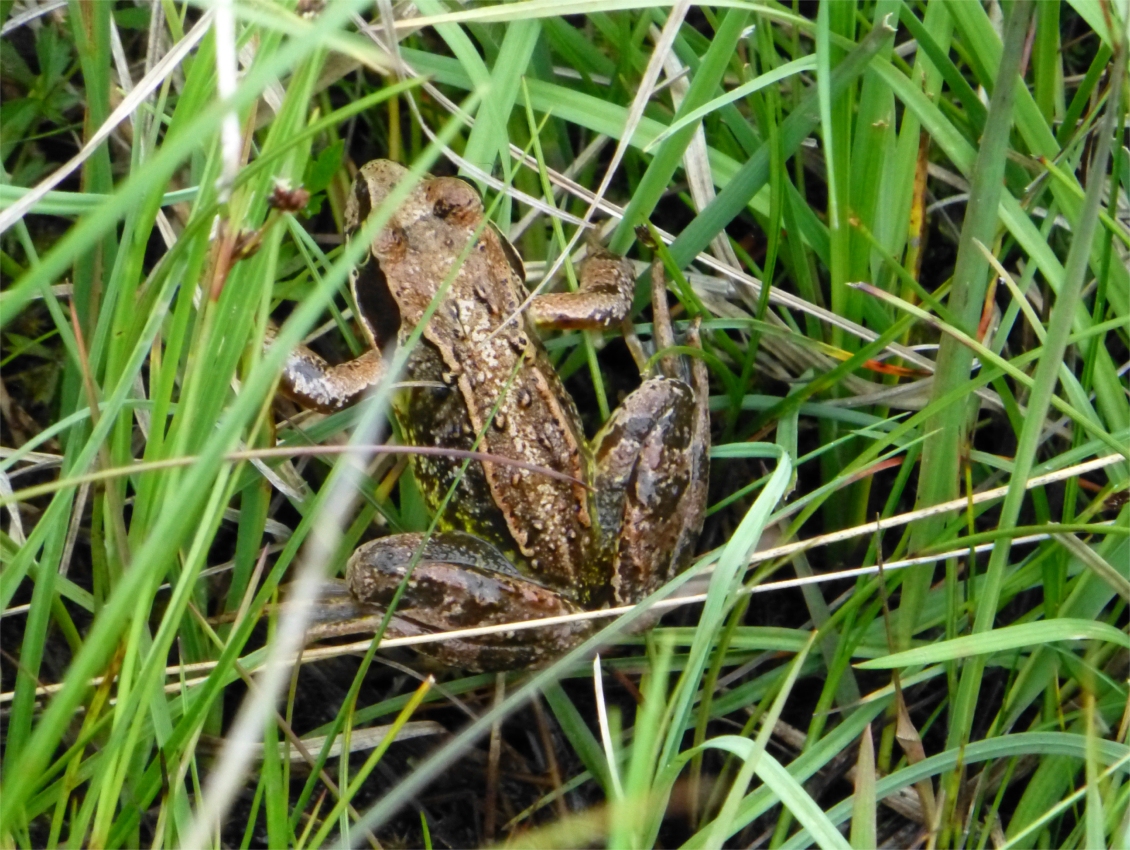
x: 905, y: 229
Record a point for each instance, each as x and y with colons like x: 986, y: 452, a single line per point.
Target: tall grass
x: 906, y: 228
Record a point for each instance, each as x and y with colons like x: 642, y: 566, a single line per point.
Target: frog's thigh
x: 461, y: 582
x: 648, y: 492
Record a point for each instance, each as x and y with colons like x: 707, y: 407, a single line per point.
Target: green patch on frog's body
x: 435, y: 416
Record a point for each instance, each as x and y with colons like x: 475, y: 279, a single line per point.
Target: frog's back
x: 503, y: 384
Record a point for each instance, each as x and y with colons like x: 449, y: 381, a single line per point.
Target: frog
x: 558, y: 524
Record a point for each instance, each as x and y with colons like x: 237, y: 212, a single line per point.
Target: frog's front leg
x: 312, y: 382
x: 461, y: 581
x: 603, y: 300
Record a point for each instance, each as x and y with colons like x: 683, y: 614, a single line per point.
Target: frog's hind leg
x: 674, y: 366
x: 651, y: 461
x: 698, y: 490
x: 460, y: 581
x: 653, y: 466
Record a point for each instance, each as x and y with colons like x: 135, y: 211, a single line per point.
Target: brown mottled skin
x: 515, y: 544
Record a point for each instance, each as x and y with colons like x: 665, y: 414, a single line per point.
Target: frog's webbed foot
x: 603, y: 300
x: 460, y: 582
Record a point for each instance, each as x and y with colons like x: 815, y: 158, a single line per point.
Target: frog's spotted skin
x: 490, y: 367
x: 631, y: 516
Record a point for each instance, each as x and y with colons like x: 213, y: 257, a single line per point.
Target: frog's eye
x: 454, y: 201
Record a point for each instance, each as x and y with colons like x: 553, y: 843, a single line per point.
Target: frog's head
x: 445, y: 199
x: 412, y: 253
